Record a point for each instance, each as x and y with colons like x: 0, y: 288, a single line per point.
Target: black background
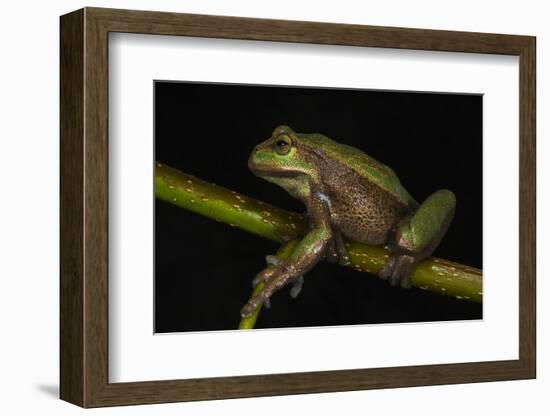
x: 204, y: 269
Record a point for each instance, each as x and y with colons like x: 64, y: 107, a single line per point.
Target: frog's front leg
x: 273, y: 262
x: 309, y: 251
x: 306, y: 255
x: 418, y: 236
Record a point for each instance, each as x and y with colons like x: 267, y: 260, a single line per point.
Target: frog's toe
x: 406, y: 282
x: 387, y: 270
x: 297, y: 287
x: 272, y: 260
x: 334, y: 256
x: 402, y: 271
x: 398, y: 270
x: 331, y: 255
x: 344, y: 260
x: 247, y: 310
x: 263, y: 276
x: 257, y: 280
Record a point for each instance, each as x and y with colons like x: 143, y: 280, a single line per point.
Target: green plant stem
x: 226, y: 206
x: 213, y: 201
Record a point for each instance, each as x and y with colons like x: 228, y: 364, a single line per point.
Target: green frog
x: 348, y: 195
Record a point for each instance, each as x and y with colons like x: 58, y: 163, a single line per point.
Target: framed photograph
x: 255, y: 207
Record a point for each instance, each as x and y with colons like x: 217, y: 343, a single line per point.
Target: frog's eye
x: 283, y: 143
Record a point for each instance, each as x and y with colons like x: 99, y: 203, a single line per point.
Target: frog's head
x: 285, y: 159
x: 284, y: 154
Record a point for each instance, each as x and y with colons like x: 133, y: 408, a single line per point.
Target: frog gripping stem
x: 436, y: 275
x: 418, y: 236
x: 308, y: 252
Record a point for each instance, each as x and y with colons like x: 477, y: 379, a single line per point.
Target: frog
x: 349, y: 196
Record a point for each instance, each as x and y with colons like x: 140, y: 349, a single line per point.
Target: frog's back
x: 363, y: 164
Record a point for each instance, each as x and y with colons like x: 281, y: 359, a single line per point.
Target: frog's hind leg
x: 418, y: 236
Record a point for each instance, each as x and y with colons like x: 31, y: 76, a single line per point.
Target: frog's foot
x: 262, y: 298
x: 398, y: 270
x: 331, y: 254
x: 272, y: 263
x: 248, y: 309
x: 267, y: 274
x: 336, y: 251
x: 263, y: 276
x: 297, y: 287
x: 343, y: 255
x: 279, y: 277
x: 272, y: 260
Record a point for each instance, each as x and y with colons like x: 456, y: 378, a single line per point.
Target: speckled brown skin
x: 359, y: 209
x: 348, y: 194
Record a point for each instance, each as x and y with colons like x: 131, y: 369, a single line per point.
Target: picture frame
x: 84, y: 216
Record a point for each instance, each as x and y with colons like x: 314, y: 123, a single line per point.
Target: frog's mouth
x: 266, y: 171
x: 262, y: 163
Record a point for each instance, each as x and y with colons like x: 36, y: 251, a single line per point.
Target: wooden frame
x: 84, y: 213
